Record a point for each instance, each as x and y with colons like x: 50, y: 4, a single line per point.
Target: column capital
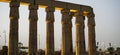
x: 14, y: 10
x: 33, y: 7
x: 65, y: 16
x: 50, y: 14
x: 91, y: 20
x: 79, y: 13
x: 50, y: 9
x: 71, y: 14
x: 63, y: 11
x: 33, y: 16
x: 14, y: 4
x: 79, y: 18
x: 90, y: 14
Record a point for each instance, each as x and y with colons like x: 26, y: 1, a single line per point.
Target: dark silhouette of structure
x: 68, y: 10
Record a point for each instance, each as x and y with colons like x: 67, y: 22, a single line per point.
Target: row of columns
x: 66, y: 31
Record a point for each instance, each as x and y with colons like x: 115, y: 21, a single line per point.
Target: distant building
x: 41, y: 52
x: 23, y: 50
x: 117, y: 52
x: 0, y: 52
x: 4, y: 50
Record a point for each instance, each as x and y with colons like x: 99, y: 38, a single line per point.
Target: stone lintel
x: 57, y: 4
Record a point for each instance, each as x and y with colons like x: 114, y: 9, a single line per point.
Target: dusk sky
x: 107, y: 17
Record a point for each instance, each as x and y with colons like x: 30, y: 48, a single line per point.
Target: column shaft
x: 50, y: 31
x: 91, y: 35
x: 70, y: 35
x: 65, y: 32
x: 80, y: 37
x: 33, y: 17
x: 14, y: 26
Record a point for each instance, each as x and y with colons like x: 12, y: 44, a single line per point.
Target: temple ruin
x: 68, y: 10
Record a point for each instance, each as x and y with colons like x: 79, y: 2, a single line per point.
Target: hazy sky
x: 107, y: 16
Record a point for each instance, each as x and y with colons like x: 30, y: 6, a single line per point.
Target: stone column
x: 33, y: 18
x: 14, y: 26
x: 70, y: 35
x: 91, y: 35
x: 50, y: 31
x: 80, y: 36
x: 65, y: 32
